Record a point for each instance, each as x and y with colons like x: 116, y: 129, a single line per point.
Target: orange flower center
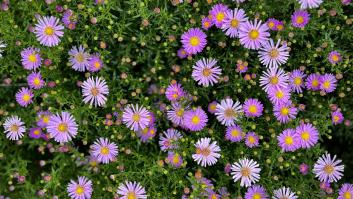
x: 204, y: 151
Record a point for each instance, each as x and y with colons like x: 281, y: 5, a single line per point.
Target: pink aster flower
x: 234, y: 133
x: 35, y: 81
x: 304, y: 168
x: 279, y: 95
x: 207, y: 22
x: 273, y: 55
x: 337, y: 117
x: 24, y: 97
x: 247, y: 171
x: 174, y: 92
x: 296, y: 81
x: 207, y: 153
x: 81, y: 189
x: 69, y: 19
x: 95, y: 91
x: 253, y: 34
x: 43, y: 118
x: 285, y: 112
x: 48, y: 31
x: 271, y: 23
x: 218, y: 13
x: 104, y: 150
x: 233, y: 20
x: 79, y: 58
x: 346, y: 191
x: 206, y: 72
x: 328, y: 169
x: 95, y: 63
x: 195, y: 120
x: 14, y: 128
x: 242, y: 67
x: 304, y: 4
x: 135, y: 117
x: 334, y: 57
x: 313, y: 82
x: 253, y: 108
x: 274, y: 78
x: 308, y: 135
x: 147, y: 133
x: 256, y: 192
x: 288, y: 140
x: 169, y: 139
x: 328, y: 83
x: 175, y: 159
x: 194, y: 40
x: 62, y: 127
x: 129, y: 190
x: 182, y: 53
x: 279, y: 26
x: 228, y: 112
x: 31, y: 59
x: 176, y: 113
x: 35, y: 133
x: 300, y: 18
x: 212, y: 107
x: 251, y: 140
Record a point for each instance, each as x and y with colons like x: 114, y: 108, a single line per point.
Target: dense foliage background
x: 138, y: 41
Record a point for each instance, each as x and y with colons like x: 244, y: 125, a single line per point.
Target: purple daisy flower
x: 346, y: 191
x: 62, y: 127
x: 176, y: 114
x: 48, y: 31
x: 328, y: 169
x: 247, y: 171
x: 313, y: 82
x: 337, y: 117
x: 95, y: 91
x: 195, y: 120
x: 146, y: 134
x: 129, y: 190
x: 234, y: 133
x: 35, y: 133
x: 308, y: 135
x: 288, y: 140
x: 328, y: 83
x: 43, y: 118
x: 253, y: 34
x: 304, y: 168
x: 271, y: 23
x: 169, y: 139
x: 300, y: 18
x: 31, y: 59
x: 284, y: 192
x: 194, y: 40
x: 174, y: 159
x: 304, y: 4
x: 95, y: 63
x: 207, y: 23
x: 182, y: 53
x: 207, y: 152
x: 256, y: 192
x: 346, y: 2
x: 218, y: 13
x: 211, y: 194
x: 69, y: 19
x: 135, y: 117
x: 233, y: 20
x: 104, y: 150
x: 272, y: 55
x: 205, y: 72
x: 253, y: 108
x: 14, y: 128
x: 274, y: 78
x: 279, y: 26
x: 285, y: 112
x: 251, y: 140
x: 79, y: 58
x: 334, y: 57
x: 212, y: 107
x: 296, y: 80
x: 24, y: 97
x: 174, y: 92
x: 242, y: 67
x: 279, y: 95
x: 228, y: 112
x: 81, y: 189
x: 35, y: 81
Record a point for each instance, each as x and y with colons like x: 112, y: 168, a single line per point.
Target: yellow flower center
x: 305, y: 135
x: 329, y: 169
x: 279, y: 94
x: 251, y: 139
x: 206, y: 24
x: 245, y: 172
x: 49, y: 30
x: 195, y: 119
x: 229, y: 113
x: 257, y: 196
x: 280, y: 27
x: 220, y: 16
x: 271, y: 24
x: 46, y: 119
x: 14, y: 128
x: 26, y: 97
x: 180, y: 112
x: 288, y: 140
x: 204, y: 151
x: 252, y: 109
x: 326, y: 84
x: 194, y: 41
x: 347, y: 195
x: 94, y: 91
x: 285, y: 111
x: 274, y: 53
x: 214, y: 196
x: 336, y: 118
x: 62, y: 127
x: 175, y: 95
x: 254, y: 34
x: 32, y: 58
x: 176, y: 159
x: 105, y: 150
x: 235, y: 133
x: 335, y: 58
x: 97, y: 64
x: 79, y: 57
x: 300, y: 19
x: 80, y: 190
x: 213, y: 107
x: 136, y: 117
x: 297, y: 81
x: 36, y: 81
x: 36, y: 132
x: 274, y: 80
x: 206, y: 72
x: 131, y: 195
x: 234, y: 23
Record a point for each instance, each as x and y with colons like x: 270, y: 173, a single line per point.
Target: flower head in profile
x: 81, y: 189
x: 14, y: 128
x: 253, y: 35
x: 207, y: 152
x: 95, y: 91
x: 24, y: 97
x: 104, y: 150
x: 232, y: 22
x: 328, y: 169
x: 79, y: 58
x: 218, y: 13
x: 206, y: 72
x: 131, y: 190
x: 300, y: 18
x: 62, y: 127
x: 35, y: 80
x: 48, y: 31
x: 274, y: 55
x: 136, y: 117
x: 31, y: 59
x: 194, y: 40
x: 228, y: 112
x: 195, y: 119
x: 247, y: 171
x: 284, y: 192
